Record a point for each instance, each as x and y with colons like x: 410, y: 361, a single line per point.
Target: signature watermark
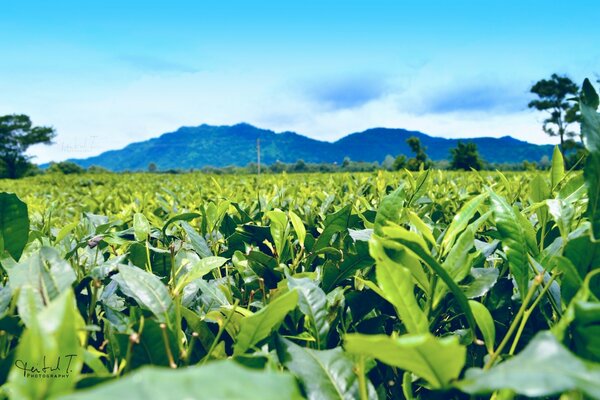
x: 59, y: 367
x: 82, y: 145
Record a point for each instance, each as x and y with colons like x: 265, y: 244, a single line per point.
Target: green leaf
x: 334, y: 223
x: 14, y: 225
x: 389, y: 209
x: 589, y: 96
x: 141, y: 227
x: 217, y: 380
x: 198, y: 269
x: 461, y: 220
x: 485, y: 322
x: 416, y: 245
x: 539, y: 189
x: 326, y: 374
x: 438, y: 361
x: 514, y: 242
x: 180, y: 217
x: 313, y: 304
x: 397, y: 285
x: 197, y: 241
x: 45, y: 274
x: 279, y: 229
x: 591, y: 174
x: 258, y: 326
x: 298, y: 227
x: 557, y: 171
x: 544, y: 368
x: 148, y: 291
x: 590, y: 126
x: 51, y: 338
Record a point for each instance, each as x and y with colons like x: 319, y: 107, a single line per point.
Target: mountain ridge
x: 219, y: 146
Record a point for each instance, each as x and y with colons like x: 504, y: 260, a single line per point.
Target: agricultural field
x: 350, y: 286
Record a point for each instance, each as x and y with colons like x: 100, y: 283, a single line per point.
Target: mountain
x: 218, y: 146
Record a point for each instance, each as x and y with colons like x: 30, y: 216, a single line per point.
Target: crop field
x: 412, y: 285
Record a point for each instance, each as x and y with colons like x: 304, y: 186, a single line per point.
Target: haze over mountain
x: 219, y: 146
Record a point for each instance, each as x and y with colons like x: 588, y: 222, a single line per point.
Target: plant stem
x: 528, y: 313
x: 362, y: 382
x: 221, y: 329
x: 536, y: 282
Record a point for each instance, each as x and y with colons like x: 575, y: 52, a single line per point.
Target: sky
x: 108, y: 73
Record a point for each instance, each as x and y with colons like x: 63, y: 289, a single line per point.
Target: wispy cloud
x: 475, y: 97
x: 154, y: 64
x: 347, y: 92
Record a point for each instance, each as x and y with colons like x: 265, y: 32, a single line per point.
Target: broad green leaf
x: 481, y: 281
x: 217, y: 380
x: 141, y: 227
x: 279, y: 229
x: 197, y: 241
x: 334, y: 274
x: 544, y: 368
x: 258, y: 326
x: 148, y: 291
x: 438, y: 361
x: 588, y: 95
x: 389, y: 209
x: 51, y: 339
x: 591, y: 174
x: 416, y: 245
x: 397, y: 285
x: 298, y: 227
x: 514, y: 242
x: 461, y: 220
x: 14, y: 225
x: 485, y: 322
x: 538, y: 189
x: 198, y: 269
x: 46, y: 274
x: 421, y: 227
x: 313, y: 304
x: 325, y: 374
x: 180, y: 217
x: 590, y: 120
x: 334, y: 223
x: 557, y: 171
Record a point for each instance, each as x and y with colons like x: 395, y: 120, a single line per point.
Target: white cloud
x: 89, y: 122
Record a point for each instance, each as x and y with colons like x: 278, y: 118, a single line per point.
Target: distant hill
x: 218, y: 146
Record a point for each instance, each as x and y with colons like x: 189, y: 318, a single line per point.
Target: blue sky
x: 108, y: 73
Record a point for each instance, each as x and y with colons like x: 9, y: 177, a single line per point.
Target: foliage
x: 17, y: 134
x: 66, y: 168
x: 465, y: 156
x: 553, y: 97
x: 429, y: 284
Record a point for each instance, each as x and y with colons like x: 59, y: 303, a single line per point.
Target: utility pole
x: 258, y: 154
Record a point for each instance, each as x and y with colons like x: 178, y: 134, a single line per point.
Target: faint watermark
x: 46, y: 367
x: 87, y: 144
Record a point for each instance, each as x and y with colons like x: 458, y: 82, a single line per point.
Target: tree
x: 553, y: 97
x: 465, y: 156
x: 420, y: 159
x: 65, y: 167
x: 399, y: 162
x: 17, y: 134
x: 300, y: 166
x: 152, y: 167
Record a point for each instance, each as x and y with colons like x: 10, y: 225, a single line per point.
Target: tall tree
x: 465, y: 156
x: 420, y: 159
x: 554, y: 96
x: 17, y: 134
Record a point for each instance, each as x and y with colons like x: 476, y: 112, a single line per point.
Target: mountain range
x: 219, y: 146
